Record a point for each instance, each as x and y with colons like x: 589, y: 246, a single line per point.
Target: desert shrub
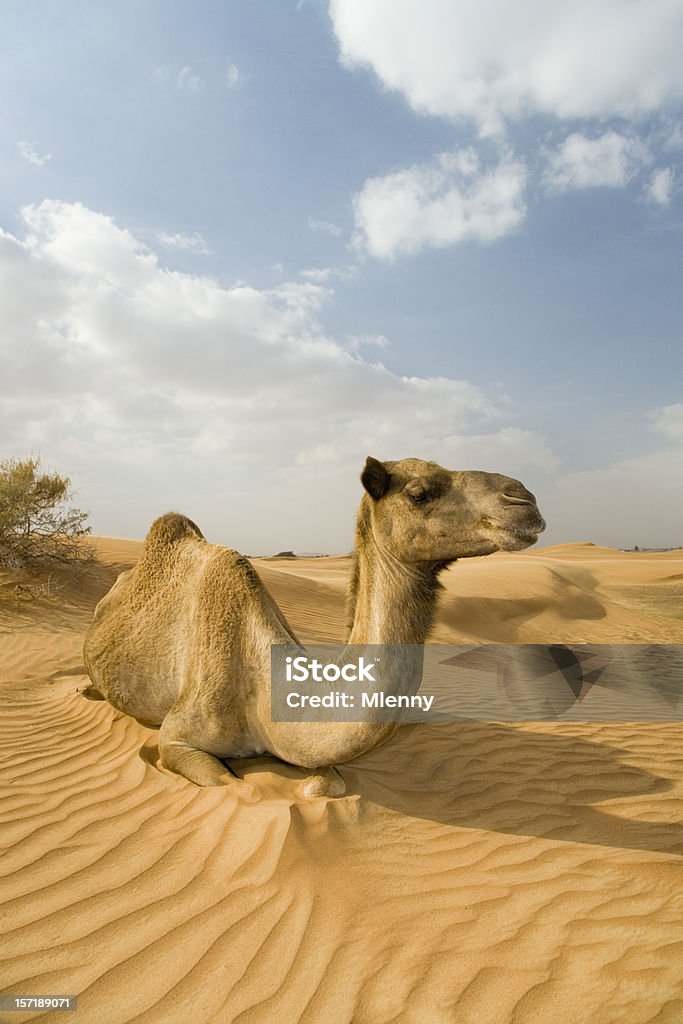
x: 37, y: 526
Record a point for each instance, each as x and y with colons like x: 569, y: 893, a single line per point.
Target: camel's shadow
x: 502, y: 779
x: 573, y: 596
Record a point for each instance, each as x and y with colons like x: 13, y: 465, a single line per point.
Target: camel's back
x: 172, y: 615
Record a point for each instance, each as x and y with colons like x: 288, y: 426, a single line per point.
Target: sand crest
x: 475, y: 874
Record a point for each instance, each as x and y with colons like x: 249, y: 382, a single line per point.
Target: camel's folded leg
x: 200, y: 767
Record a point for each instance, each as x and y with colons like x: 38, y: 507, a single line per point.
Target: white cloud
x: 188, y: 80
x: 324, y: 275
x: 668, y: 420
x: 671, y: 132
x: 159, y: 389
x: 31, y: 155
x: 320, y: 274
x: 512, y: 447
x: 659, y: 188
x: 233, y: 77
x: 191, y: 243
x: 492, y: 60
x: 437, y: 204
x: 609, y: 160
x: 356, y: 342
x: 324, y: 225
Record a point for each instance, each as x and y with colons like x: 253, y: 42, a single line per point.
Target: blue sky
x: 246, y: 244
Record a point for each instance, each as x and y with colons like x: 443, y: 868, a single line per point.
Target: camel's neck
x: 390, y: 604
x: 388, y: 601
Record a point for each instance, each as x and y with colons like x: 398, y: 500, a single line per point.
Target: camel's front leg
x: 197, y: 765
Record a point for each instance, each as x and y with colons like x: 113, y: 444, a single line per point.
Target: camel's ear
x: 375, y: 478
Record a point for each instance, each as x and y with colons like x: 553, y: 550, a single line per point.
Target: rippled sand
x: 476, y: 874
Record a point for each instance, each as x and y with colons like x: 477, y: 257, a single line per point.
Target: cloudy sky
x: 245, y: 243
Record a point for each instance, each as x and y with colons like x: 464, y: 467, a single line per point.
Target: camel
x: 183, y: 640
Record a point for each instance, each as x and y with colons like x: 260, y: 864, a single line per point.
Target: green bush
x: 37, y: 527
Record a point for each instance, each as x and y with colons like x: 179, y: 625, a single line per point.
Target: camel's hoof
x: 322, y: 785
x: 90, y: 693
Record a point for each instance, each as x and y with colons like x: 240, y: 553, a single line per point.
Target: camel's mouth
x: 517, y: 540
x: 517, y: 536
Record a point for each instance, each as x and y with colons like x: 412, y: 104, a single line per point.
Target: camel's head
x: 421, y: 512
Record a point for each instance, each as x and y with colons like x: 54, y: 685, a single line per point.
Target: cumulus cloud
x: 188, y: 80
x: 610, y: 160
x: 31, y: 155
x: 159, y: 389
x: 326, y: 274
x: 324, y: 225
x: 437, y: 204
x: 659, y: 188
x: 668, y: 420
x: 493, y: 61
x: 190, y: 243
x: 356, y: 342
x: 671, y: 134
x: 233, y: 77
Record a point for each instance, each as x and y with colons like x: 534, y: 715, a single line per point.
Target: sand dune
x: 476, y: 874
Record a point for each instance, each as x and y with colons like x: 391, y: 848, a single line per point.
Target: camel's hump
x: 170, y: 528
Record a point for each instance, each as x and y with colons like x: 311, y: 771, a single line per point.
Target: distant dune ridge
x: 476, y: 873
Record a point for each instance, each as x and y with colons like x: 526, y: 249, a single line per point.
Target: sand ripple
x: 476, y: 874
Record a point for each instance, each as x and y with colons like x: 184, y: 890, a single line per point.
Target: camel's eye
x: 418, y: 492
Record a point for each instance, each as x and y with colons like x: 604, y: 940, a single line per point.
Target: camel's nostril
x: 515, y: 499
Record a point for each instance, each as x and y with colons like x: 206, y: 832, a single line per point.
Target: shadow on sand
x: 572, y: 595
x: 503, y: 779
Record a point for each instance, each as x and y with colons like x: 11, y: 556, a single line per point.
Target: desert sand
x: 475, y: 874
